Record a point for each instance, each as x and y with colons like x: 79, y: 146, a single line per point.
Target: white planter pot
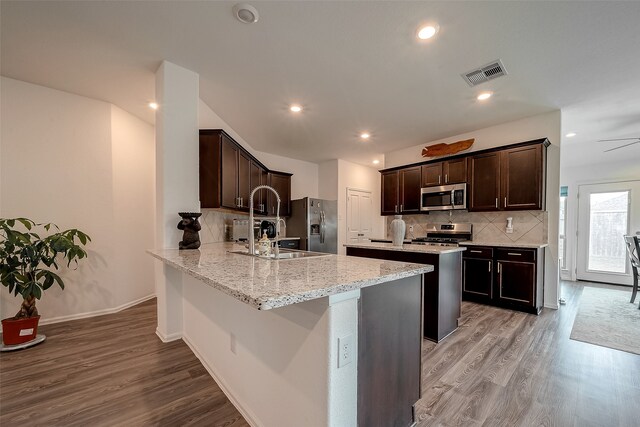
x: 398, y: 228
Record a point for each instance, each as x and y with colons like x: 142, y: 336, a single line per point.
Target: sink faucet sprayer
x: 252, y: 242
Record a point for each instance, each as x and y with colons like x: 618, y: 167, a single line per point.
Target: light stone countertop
x: 266, y: 284
x: 407, y: 248
x: 506, y: 245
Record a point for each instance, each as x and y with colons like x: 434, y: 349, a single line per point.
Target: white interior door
x: 359, y: 215
x: 606, y: 212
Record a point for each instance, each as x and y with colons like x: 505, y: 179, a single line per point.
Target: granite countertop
x: 266, y: 284
x: 407, y: 248
x: 506, y: 244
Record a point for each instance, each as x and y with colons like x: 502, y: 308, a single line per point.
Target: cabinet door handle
x: 446, y: 178
x: 401, y: 208
x: 396, y: 209
x: 505, y: 202
x: 475, y: 252
x: 513, y: 253
x: 489, y: 266
x: 438, y: 179
x: 496, y: 202
x: 498, y: 268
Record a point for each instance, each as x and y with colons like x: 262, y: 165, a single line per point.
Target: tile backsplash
x: 216, y: 225
x: 489, y: 227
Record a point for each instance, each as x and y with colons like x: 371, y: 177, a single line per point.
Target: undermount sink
x: 284, y: 254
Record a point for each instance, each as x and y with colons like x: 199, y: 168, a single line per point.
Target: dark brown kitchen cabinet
x: 244, y: 180
x: 400, y: 191
x: 445, y: 172
x: 389, y: 193
x: 228, y: 175
x: 410, y: 190
x: 455, y: 171
x: 484, y: 187
x: 509, y: 179
x: 259, y: 177
x: 432, y: 174
x: 281, y: 182
x: 477, y: 274
x: 522, y: 170
x: 504, y: 277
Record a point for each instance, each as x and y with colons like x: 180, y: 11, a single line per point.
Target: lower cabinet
x: 505, y: 277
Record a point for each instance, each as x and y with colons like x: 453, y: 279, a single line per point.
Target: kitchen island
x: 442, y: 286
x: 310, y: 341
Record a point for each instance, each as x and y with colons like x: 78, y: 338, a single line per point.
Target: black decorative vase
x: 191, y: 226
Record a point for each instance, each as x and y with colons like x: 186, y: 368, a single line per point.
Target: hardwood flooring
x: 500, y: 368
x: 504, y: 368
x: 110, y: 371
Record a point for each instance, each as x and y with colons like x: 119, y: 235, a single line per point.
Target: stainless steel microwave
x: 443, y: 197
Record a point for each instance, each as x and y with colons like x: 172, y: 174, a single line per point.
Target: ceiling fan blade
x: 622, y: 146
x: 619, y: 139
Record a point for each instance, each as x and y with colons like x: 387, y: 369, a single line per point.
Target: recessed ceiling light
x: 571, y: 134
x: 153, y: 105
x: 375, y: 162
x: 245, y: 13
x: 295, y: 108
x: 365, y: 135
x: 484, y: 96
x: 428, y: 31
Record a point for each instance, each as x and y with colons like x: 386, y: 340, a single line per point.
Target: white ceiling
x: 353, y: 65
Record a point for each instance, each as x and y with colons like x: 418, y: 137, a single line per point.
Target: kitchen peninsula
x: 310, y: 341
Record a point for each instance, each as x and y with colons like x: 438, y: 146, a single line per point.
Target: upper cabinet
x: 484, y: 182
x: 505, y: 178
x: 228, y: 175
x: 281, y: 182
x: 509, y: 179
x: 445, y: 172
x: 400, y: 193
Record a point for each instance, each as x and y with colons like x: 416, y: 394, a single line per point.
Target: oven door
x: 442, y: 198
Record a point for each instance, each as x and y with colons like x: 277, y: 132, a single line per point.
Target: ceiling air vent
x: 483, y: 74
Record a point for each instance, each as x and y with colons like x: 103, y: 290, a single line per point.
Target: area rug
x: 607, y: 318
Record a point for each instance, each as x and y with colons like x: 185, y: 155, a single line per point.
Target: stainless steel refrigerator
x: 315, y: 221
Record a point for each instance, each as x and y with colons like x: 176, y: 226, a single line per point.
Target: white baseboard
x: 168, y: 338
x: 96, y: 313
x: 552, y: 306
x: 244, y: 411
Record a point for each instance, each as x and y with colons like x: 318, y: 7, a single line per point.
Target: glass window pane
x: 607, y: 225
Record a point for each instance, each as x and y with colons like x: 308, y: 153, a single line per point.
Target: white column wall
x: 177, y: 181
x: 278, y: 367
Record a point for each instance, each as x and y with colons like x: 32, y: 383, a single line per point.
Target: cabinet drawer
x: 522, y: 255
x: 289, y: 244
x: 478, y: 252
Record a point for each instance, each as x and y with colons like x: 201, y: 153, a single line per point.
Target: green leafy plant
x: 28, y: 261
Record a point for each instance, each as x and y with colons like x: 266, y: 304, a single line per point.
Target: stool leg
x: 635, y: 284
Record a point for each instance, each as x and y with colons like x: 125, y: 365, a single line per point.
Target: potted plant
x: 27, y: 264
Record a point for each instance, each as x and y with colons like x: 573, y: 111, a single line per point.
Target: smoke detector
x: 245, y: 13
x: 485, y: 73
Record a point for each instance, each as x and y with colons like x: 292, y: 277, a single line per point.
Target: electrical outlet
x: 346, y: 348
x: 232, y: 343
x: 411, y: 228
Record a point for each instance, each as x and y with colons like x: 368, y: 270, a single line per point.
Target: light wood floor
x: 501, y: 368
x: 504, y: 368
x: 110, y: 371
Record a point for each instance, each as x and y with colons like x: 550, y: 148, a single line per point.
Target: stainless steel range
x: 449, y: 234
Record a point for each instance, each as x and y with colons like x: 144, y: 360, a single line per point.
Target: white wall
x: 304, y: 182
x: 60, y: 164
x: 541, y: 126
x: 336, y: 176
x: 358, y: 177
x: 589, y: 174
x: 544, y: 125
x: 133, y: 151
x: 264, y: 358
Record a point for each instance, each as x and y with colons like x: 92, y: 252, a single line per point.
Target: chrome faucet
x: 252, y: 237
